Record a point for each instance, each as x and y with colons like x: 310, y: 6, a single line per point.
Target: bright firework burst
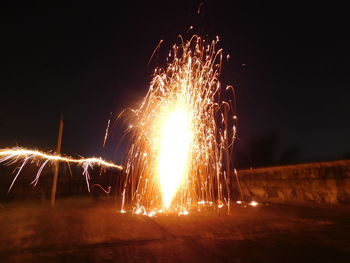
x: 14, y: 155
x: 181, y: 134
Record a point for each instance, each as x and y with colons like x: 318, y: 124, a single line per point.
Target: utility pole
x: 56, y: 165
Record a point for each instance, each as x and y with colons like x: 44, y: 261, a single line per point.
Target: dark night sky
x: 290, y: 68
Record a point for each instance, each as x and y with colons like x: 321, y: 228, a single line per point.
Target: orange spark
x: 178, y: 134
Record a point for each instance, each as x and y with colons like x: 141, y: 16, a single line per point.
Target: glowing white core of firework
x: 175, y: 145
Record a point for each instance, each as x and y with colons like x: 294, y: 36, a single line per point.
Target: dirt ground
x: 81, y: 230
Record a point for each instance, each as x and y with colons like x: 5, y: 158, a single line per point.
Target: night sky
x: 289, y: 65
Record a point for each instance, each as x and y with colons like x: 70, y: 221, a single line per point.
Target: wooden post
x: 56, y: 167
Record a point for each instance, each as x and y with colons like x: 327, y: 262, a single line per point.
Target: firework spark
x: 13, y: 155
x: 181, y: 134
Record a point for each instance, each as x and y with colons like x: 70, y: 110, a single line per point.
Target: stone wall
x: 326, y: 182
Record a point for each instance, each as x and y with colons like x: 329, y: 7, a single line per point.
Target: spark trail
x: 14, y: 155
